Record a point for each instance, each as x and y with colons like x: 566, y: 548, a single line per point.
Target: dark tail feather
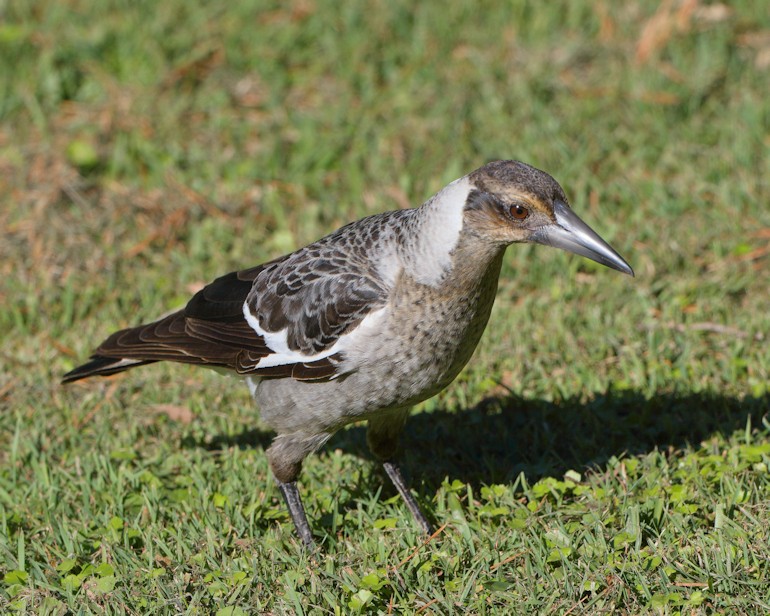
x: 210, y: 331
x: 102, y: 366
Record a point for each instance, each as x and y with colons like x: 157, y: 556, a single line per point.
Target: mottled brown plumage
x: 366, y: 322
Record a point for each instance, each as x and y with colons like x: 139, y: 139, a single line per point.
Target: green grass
x: 607, y: 449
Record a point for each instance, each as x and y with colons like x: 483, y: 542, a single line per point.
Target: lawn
x: 607, y: 450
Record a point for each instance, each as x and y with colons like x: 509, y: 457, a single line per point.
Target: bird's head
x: 510, y: 202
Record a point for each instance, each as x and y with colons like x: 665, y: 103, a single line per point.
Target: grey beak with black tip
x: 573, y: 235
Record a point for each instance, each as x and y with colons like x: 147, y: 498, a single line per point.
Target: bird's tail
x: 103, y: 366
x: 121, y: 351
x: 165, y: 339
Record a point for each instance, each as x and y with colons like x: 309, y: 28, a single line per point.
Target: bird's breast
x: 412, y: 349
x: 427, y: 335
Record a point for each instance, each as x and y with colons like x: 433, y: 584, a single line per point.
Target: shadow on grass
x: 502, y: 437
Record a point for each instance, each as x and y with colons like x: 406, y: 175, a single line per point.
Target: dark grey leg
x: 297, y: 511
x: 383, y: 435
x: 391, y: 468
x: 285, y: 456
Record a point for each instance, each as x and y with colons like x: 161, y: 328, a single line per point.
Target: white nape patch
x: 439, y: 232
x: 281, y: 353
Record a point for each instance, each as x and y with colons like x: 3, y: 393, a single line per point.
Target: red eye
x: 519, y: 212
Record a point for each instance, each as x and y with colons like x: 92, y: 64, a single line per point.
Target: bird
x: 364, y: 323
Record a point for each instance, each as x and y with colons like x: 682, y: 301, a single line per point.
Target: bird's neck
x: 442, y: 251
x: 426, y: 249
x: 474, y: 265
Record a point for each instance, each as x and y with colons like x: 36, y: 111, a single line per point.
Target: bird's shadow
x: 502, y: 437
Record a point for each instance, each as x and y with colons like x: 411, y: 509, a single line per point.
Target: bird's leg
x: 382, y: 436
x: 285, y: 456
x: 297, y: 512
x: 391, y: 468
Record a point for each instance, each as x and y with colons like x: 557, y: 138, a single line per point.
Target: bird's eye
x: 519, y: 212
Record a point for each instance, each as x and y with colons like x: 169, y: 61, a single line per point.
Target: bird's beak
x: 573, y: 235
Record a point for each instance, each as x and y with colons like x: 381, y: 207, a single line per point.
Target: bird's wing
x: 307, y: 306
x: 287, y: 318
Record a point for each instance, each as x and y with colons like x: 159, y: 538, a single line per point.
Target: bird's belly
x: 418, y: 349
x: 425, y: 356
x: 385, y: 382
